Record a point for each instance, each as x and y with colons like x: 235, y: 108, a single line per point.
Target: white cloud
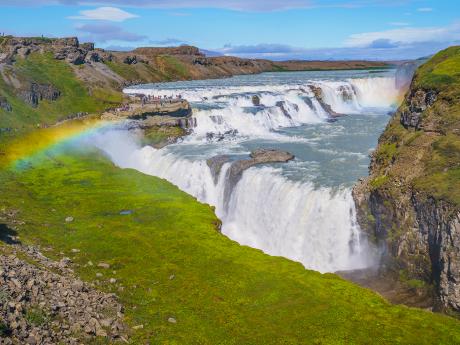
x: 406, y: 36
x: 112, y: 14
x: 425, y: 9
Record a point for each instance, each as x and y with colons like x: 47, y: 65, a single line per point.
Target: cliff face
x: 410, y: 203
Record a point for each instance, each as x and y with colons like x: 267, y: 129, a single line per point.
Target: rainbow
x: 40, y: 141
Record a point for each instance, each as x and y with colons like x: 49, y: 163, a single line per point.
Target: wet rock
x: 255, y: 100
x: 259, y: 156
x: 282, y: 105
x: 309, y: 102
x: 215, y: 164
x: 319, y: 97
x: 347, y: 93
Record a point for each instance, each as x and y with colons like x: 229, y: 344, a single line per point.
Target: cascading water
x: 302, y: 210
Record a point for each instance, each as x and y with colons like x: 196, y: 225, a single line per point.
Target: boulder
x: 256, y: 100
x: 130, y: 60
x: 93, y: 56
x: 66, y: 42
x: 72, y: 55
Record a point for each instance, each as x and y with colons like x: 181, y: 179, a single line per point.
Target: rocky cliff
x: 410, y: 203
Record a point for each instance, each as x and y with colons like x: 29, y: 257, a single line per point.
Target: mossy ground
x: 172, y: 262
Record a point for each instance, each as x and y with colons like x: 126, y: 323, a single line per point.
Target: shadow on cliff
x: 7, y: 235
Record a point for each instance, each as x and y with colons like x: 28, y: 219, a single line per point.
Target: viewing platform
x: 148, y: 107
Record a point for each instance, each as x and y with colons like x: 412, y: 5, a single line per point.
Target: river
x: 302, y: 210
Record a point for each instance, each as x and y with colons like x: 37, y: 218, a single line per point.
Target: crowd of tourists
x: 150, y: 99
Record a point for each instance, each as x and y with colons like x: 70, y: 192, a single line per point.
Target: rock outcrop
x: 38, y: 92
x: 410, y: 203
x: 282, y: 106
x: 416, y: 103
x: 235, y: 172
x: 319, y: 97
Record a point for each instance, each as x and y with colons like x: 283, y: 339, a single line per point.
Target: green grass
x: 157, y: 136
x: 379, y: 181
x: 172, y: 68
x: 126, y: 71
x: 36, y: 316
x: 172, y: 262
x: 166, y: 68
x: 441, y: 71
x: 75, y: 97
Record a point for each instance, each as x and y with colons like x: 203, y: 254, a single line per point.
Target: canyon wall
x: 410, y: 203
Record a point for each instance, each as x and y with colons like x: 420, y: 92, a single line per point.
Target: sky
x: 272, y: 29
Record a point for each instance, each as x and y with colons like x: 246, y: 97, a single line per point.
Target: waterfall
x: 315, y: 227
x: 270, y: 208
x: 230, y: 109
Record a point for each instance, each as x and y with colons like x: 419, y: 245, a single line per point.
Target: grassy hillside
x: 170, y: 261
x: 75, y: 95
x: 436, y: 145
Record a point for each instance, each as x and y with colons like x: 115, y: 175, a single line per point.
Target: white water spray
x: 316, y: 227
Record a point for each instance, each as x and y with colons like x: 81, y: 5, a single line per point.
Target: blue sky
x: 275, y: 29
